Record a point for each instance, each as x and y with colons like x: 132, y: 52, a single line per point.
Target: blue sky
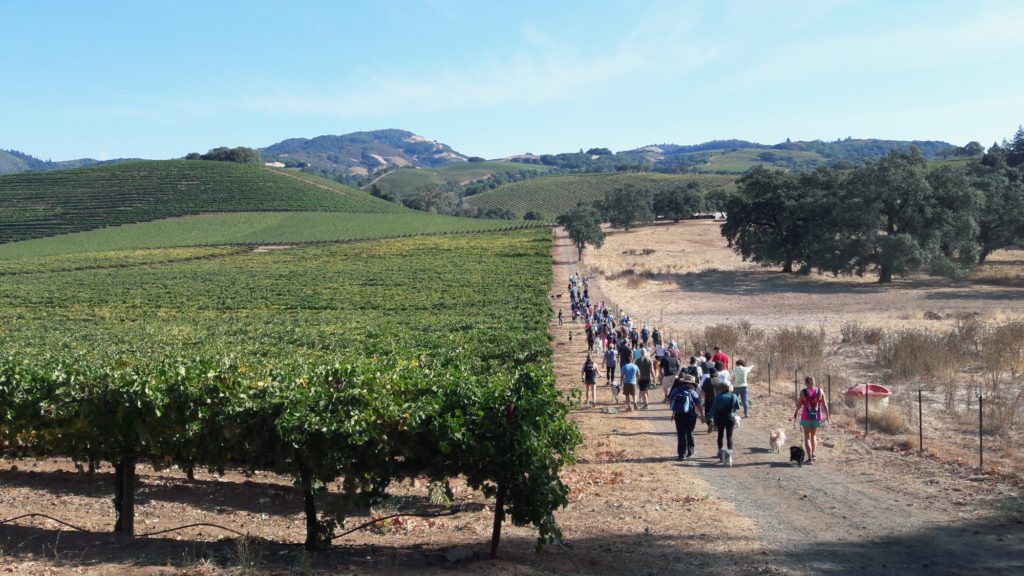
x: 147, y: 79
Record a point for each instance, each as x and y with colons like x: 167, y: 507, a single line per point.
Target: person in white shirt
x: 739, y: 384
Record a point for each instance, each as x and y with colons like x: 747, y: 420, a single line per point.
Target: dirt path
x: 857, y: 510
x: 832, y: 518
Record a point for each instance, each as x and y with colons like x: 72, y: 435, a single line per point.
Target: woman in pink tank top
x: 813, y: 412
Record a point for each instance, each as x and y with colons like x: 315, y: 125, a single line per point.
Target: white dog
x: 725, y: 457
x: 776, y: 439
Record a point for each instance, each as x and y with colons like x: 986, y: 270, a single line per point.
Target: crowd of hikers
x: 636, y: 360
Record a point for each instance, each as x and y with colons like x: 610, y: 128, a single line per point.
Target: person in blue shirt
x: 629, y: 373
x: 685, y: 404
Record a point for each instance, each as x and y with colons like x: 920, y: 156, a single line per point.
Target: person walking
x: 669, y: 371
x: 740, y: 375
x: 723, y: 412
x: 693, y: 369
x: 629, y: 372
x: 590, y: 373
x: 646, y: 367
x: 720, y: 356
x: 707, y: 365
x: 686, y: 406
x: 559, y: 316
x: 610, y: 362
x: 813, y: 412
x: 709, y: 387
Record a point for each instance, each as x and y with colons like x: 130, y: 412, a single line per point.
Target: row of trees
x: 239, y: 154
x: 336, y: 419
x: 631, y: 205
x: 891, y: 216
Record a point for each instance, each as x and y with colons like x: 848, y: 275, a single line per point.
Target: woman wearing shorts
x: 813, y: 412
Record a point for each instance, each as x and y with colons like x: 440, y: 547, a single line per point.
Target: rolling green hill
x: 246, y: 228
x: 34, y: 205
x: 402, y: 183
x: 742, y: 160
x: 550, y: 196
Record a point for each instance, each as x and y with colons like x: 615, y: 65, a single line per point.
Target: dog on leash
x: 725, y: 457
x: 797, y: 453
x: 616, y: 389
x: 776, y: 439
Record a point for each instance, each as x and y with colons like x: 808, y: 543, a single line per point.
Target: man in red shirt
x: 721, y: 357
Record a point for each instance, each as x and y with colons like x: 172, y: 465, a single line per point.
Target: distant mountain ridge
x: 850, y: 149
x: 359, y: 157
x: 360, y: 153
x: 735, y: 156
x: 16, y: 162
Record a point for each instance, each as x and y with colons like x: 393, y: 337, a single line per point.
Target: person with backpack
x: 709, y: 387
x: 723, y: 413
x: 645, y: 335
x: 656, y: 336
x: 693, y: 369
x: 707, y: 365
x: 813, y: 412
x: 590, y: 373
x: 686, y: 405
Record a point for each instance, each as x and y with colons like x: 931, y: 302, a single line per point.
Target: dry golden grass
x: 917, y: 332
x: 693, y: 279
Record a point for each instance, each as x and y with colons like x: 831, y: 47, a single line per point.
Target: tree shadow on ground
x: 761, y: 282
x: 990, y: 546
x: 254, y: 497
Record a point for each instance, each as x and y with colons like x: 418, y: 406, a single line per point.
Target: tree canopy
x: 583, y: 223
x: 890, y: 217
x: 679, y: 202
x: 240, y: 154
x: 627, y: 206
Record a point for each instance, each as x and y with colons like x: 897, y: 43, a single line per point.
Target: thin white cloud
x: 544, y: 71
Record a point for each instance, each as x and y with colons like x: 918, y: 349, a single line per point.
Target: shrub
x: 798, y: 348
x: 889, y: 420
x: 918, y: 355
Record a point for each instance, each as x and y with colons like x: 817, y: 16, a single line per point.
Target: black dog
x: 797, y: 453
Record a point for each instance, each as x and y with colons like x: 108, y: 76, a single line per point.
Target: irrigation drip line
x: 143, y: 535
x: 36, y: 514
x: 197, y: 524
x: 383, y: 518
